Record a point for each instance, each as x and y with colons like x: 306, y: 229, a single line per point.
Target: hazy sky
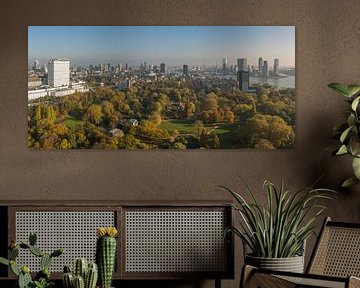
x: 172, y: 45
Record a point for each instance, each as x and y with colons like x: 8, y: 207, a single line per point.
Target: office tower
x: 265, y: 69
x: 59, y: 72
x: 276, y: 66
x: 242, y: 64
x: 186, y: 70
x: 36, y: 65
x: 224, y: 63
x: 162, y: 68
x: 126, y: 66
x: 155, y: 69
x: 45, y: 68
x: 145, y: 66
x: 261, y: 63
x: 243, y: 79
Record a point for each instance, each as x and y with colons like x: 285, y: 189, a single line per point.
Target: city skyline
x: 173, y: 45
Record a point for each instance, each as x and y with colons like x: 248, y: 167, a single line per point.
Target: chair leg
x: 217, y: 283
x: 246, y: 273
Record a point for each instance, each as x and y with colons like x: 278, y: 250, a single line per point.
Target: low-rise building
x: 115, y: 133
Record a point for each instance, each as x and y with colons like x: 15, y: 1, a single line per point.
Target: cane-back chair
x: 335, y: 262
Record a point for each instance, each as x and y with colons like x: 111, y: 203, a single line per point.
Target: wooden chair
x: 335, y: 262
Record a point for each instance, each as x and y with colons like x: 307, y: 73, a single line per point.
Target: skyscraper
x: 224, y: 64
x: 242, y: 64
x: 59, y: 72
x: 162, y: 68
x: 243, y: 78
x: 36, y: 65
x: 186, y: 70
x: 261, y: 63
x: 265, y: 69
x: 276, y: 66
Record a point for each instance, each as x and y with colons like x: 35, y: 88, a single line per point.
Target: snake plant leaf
x: 349, y: 182
x: 341, y: 89
x: 353, y: 89
x: 356, y: 167
x: 355, y: 103
x: 342, y: 150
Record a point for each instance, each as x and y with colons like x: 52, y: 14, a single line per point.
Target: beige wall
x: 327, y: 50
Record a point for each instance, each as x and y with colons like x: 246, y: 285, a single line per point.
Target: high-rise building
x: 186, y: 70
x: 36, y: 65
x: 155, y: 69
x: 261, y: 63
x: 276, y: 66
x: 59, y: 72
x: 224, y: 64
x: 45, y: 68
x: 265, y: 69
x: 243, y: 78
x: 242, y: 64
x: 162, y: 68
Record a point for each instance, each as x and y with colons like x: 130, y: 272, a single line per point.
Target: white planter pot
x: 291, y: 264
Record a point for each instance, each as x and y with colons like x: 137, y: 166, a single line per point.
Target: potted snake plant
x: 274, y: 234
x: 349, y: 132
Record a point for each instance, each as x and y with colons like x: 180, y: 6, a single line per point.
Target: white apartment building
x: 59, y: 72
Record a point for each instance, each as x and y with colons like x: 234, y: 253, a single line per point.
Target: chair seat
x: 268, y: 279
x: 314, y: 282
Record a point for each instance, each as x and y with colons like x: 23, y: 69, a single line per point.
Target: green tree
x: 94, y: 114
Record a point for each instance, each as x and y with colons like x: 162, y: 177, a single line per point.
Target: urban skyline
x: 174, y: 45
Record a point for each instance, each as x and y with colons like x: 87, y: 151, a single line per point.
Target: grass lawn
x: 225, y: 132
x: 182, y: 126
x: 71, y: 122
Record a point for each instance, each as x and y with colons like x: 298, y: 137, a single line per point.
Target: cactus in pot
x: 106, y: 254
x: 85, y: 275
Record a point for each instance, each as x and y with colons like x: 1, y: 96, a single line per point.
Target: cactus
x: 45, y: 261
x: 68, y: 280
x: 79, y: 282
x: 13, y: 253
x: 4, y: 261
x: 91, y: 276
x: 24, y: 278
x: 14, y: 268
x: 32, y: 239
x: 36, y: 251
x: 89, y: 272
x: 106, y: 254
x: 80, y: 268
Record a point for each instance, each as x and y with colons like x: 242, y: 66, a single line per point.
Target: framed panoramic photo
x: 161, y: 87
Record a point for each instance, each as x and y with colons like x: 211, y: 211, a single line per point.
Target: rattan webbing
x: 338, y: 252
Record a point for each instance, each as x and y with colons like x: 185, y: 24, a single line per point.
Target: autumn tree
x: 94, y: 114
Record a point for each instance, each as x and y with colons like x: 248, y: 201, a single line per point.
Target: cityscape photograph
x: 161, y: 87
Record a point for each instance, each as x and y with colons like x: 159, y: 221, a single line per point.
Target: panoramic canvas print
x: 161, y: 87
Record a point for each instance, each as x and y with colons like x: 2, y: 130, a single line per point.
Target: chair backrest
x: 337, y: 251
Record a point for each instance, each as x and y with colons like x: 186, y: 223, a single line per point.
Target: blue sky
x: 173, y: 45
